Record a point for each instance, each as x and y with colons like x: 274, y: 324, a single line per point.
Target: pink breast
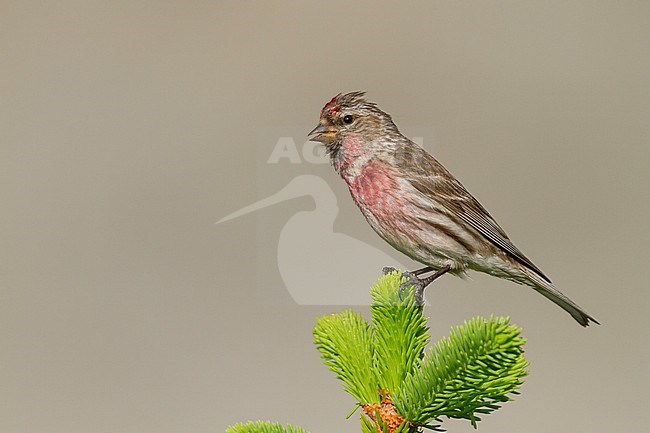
x: 374, y: 189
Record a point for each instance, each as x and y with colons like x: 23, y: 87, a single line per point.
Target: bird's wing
x: 433, y: 180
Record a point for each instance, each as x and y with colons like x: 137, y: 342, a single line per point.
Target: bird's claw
x: 388, y: 270
x: 416, y: 283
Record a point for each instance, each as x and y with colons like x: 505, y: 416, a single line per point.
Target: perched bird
x: 417, y: 206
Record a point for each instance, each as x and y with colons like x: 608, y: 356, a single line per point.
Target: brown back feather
x: 433, y: 180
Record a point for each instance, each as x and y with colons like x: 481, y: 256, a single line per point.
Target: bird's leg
x: 421, y: 283
x: 423, y: 270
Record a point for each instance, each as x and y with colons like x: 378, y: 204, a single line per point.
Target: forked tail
x: 547, y: 289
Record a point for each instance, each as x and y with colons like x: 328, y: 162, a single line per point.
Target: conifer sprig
x: 264, y: 427
x: 471, y: 372
x: 383, y: 365
x: 400, y: 332
x: 467, y: 374
x: 345, y: 343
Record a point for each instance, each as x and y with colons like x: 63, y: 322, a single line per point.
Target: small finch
x: 417, y: 206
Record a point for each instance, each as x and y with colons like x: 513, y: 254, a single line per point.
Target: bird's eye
x: 348, y: 118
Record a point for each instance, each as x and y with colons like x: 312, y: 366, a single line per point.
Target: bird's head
x: 350, y: 116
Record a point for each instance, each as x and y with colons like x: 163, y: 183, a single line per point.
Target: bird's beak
x: 323, y: 133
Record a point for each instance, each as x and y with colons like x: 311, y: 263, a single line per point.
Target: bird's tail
x: 547, y: 289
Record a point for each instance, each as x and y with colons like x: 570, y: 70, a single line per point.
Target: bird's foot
x: 419, y: 284
x: 412, y: 280
x: 387, y: 270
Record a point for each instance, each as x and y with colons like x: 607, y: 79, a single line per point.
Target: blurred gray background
x: 128, y: 128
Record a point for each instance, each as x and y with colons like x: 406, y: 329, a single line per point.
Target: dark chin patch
x: 333, y: 148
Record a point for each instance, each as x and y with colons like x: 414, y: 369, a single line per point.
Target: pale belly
x: 425, y: 236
